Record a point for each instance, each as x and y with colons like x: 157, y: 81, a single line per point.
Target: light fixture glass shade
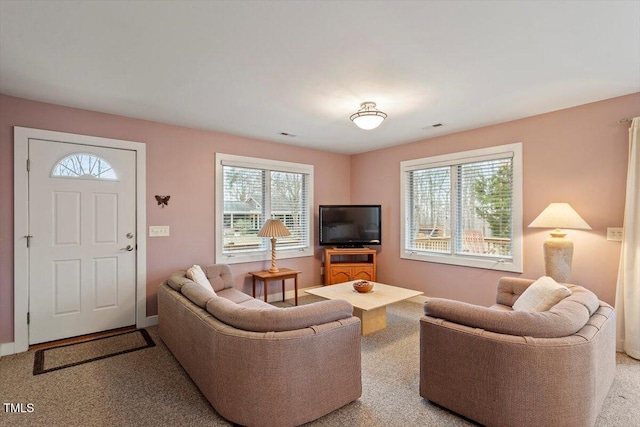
x: 559, y: 215
x: 273, y: 228
x: 368, y: 116
x: 368, y: 122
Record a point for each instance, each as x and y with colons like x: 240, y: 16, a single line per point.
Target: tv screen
x: 350, y: 225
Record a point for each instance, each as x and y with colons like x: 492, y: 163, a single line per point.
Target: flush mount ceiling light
x: 368, y: 116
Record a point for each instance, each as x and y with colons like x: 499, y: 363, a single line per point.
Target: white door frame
x: 21, y: 138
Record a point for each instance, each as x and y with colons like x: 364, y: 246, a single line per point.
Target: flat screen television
x: 350, y: 226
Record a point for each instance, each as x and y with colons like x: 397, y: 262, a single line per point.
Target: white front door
x: 82, y: 242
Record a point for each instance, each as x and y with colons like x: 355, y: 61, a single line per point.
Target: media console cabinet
x: 344, y: 265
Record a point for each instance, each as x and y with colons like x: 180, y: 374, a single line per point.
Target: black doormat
x: 68, y: 355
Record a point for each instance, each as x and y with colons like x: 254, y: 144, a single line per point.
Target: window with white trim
x: 251, y: 190
x: 464, y: 208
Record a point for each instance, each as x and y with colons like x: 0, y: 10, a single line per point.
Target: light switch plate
x: 158, y: 230
x: 614, y: 234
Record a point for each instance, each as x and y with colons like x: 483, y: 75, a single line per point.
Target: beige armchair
x: 501, y: 367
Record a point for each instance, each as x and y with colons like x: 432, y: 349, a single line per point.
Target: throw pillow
x: 196, y: 274
x: 543, y: 294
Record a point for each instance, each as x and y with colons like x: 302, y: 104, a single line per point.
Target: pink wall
x: 181, y: 163
x: 578, y: 155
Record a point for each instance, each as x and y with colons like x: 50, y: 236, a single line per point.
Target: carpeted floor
x: 149, y: 388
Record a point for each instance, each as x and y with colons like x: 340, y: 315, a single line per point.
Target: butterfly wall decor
x: 163, y: 200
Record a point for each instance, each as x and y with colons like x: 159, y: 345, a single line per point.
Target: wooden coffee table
x: 371, y: 307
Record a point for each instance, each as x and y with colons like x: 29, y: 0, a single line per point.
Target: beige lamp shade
x: 273, y: 228
x: 559, y: 215
x: 558, y: 251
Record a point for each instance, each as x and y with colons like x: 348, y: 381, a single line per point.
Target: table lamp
x: 273, y: 228
x: 558, y: 251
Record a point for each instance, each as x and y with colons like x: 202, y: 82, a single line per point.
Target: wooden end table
x: 267, y: 277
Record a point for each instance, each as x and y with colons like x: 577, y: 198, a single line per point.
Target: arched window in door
x: 84, y: 165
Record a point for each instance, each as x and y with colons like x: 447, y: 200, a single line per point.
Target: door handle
x: 129, y: 248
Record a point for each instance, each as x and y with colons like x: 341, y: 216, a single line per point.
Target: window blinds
x: 463, y: 208
x: 484, y: 208
x: 253, y: 195
x: 244, y: 209
x: 429, y: 198
x: 289, y: 204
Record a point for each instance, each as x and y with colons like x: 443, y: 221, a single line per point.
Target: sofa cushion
x: 563, y: 319
x: 273, y: 319
x: 510, y: 289
x: 197, y: 294
x: 219, y: 276
x: 254, y: 303
x: 541, y: 295
x: 196, y: 274
x: 235, y: 295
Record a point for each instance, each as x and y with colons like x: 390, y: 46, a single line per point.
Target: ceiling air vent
x: 435, y: 125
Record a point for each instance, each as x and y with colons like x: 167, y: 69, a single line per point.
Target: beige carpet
x: 149, y: 388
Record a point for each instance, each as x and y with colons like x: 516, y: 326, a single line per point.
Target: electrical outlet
x: 614, y: 234
x: 158, y: 231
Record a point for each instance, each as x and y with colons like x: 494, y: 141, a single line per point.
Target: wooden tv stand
x: 343, y: 265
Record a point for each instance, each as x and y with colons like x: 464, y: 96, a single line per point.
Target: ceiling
x: 257, y: 69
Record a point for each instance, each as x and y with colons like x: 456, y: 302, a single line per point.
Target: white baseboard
x: 152, y: 320
x: 7, y: 348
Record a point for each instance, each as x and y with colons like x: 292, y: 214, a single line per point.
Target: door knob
x: 128, y: 248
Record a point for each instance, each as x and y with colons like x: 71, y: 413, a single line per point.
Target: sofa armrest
x: 557, y: 322
x: 273, y: 319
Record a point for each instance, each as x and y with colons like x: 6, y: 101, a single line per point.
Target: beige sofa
x: 259, y: 365
x: 501, y: 367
